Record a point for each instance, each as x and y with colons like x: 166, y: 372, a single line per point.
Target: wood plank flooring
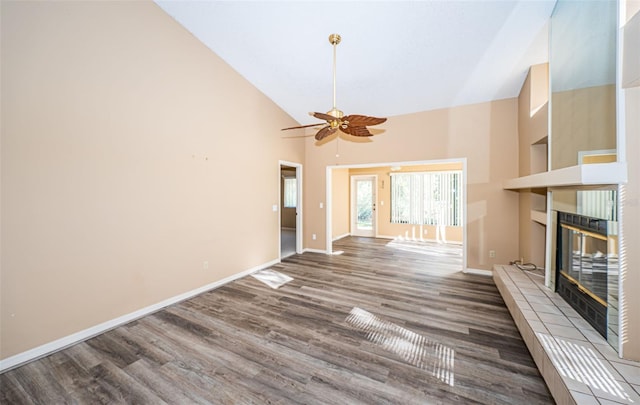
x: 382, y: 323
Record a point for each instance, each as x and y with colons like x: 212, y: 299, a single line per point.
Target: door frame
x: 328, y: 198
x: 299, y: 221
x: 353, y: 203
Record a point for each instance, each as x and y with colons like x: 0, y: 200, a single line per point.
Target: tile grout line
x: 530, y: 283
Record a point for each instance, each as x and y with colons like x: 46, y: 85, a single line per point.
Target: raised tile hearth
x: 576, y: 362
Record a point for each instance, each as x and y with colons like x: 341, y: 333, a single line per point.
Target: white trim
x: 449, y: 242
x: 328, y: 210
x: 621, y: 149
x: 316, y: 251
x: 549, y: 232
x: 583, y: 153
x: 341, y: 236
x: 62, y: 343
x: 578, y: 175
x: 479, y: 272
x: 465, y: 218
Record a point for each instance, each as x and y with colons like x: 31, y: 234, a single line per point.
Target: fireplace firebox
x: 582, y: 264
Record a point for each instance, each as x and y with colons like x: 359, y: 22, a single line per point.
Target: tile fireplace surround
x: 576, y: 362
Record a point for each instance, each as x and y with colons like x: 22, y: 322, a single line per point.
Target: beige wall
x: 118, y: 132
x: 485, y: 134
x: 631, y: 212
x: 340, y: 215
x: 583, y: 120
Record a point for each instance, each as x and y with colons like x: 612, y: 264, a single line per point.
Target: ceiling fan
x: 353, y: 124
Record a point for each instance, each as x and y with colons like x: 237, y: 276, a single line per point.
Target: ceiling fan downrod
x: 334, y: 39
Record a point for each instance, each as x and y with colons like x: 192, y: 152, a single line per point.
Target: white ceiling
x: 396, y: 57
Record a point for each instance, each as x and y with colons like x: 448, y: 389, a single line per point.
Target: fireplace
x: 584, y: 262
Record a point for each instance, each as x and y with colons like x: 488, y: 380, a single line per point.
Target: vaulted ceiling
x: 396, y: 57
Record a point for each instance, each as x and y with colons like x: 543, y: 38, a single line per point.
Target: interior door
x: 290, y: 208
x: 363, y: 205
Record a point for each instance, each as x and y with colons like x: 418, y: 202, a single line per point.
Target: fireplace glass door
x: 587, y: 263
x: 583, y: 267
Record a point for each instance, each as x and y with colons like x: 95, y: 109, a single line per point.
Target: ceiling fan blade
x: 355, y: 130
x: 303, y: 126
x: 325, y: 132
x: 322, y: 116
x: 362, y: 120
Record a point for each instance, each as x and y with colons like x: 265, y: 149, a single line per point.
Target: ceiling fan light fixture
x: 354, y: 125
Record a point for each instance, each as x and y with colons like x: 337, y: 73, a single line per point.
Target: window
x: 427, y: 198
x: 598, y: 204
x: 290, y: 192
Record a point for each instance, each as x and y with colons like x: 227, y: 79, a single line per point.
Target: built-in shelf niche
x: 533, y: 154
x: 539, y: 216
x: 539, y: 153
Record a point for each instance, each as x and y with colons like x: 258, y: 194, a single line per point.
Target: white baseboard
x: 479, y: 271
x: 62, y: 343
x: 315, y: 251
x: 341, y: 236
x: 449, y: 242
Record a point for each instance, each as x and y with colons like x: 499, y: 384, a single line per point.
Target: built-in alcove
x: 539, y: 153
x: 569, y: 144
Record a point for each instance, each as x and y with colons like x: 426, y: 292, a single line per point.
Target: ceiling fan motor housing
x: 334, y: 112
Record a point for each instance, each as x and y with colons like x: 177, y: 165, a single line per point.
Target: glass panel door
x: 363, y: 205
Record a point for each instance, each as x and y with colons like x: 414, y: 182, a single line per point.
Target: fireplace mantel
x: 579, y: 175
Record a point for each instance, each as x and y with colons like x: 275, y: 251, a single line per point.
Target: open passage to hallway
x: 382, y: 322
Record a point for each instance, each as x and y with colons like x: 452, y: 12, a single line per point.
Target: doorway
x: 290, y: 218
x: 363, y: 205
x: 339, y: 208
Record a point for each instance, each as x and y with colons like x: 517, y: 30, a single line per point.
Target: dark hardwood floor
x: 382, y: 323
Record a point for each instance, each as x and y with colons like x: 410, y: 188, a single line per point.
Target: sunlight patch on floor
x: 413, y: 348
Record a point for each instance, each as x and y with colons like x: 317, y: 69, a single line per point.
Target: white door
x: 363, y: 205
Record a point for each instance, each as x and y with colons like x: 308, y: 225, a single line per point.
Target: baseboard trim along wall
x: 479, y: 271
x: 62, y: 343
x: 450, y: 242
x: 315, y: 251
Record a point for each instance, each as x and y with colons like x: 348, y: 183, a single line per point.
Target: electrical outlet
x: 205, y: 265
x: 313, y: 236
x: 492, y: 254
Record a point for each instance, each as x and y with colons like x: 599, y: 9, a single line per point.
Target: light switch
x: 381, y: 203
x: 275, y: 207
x: 321, y: 205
